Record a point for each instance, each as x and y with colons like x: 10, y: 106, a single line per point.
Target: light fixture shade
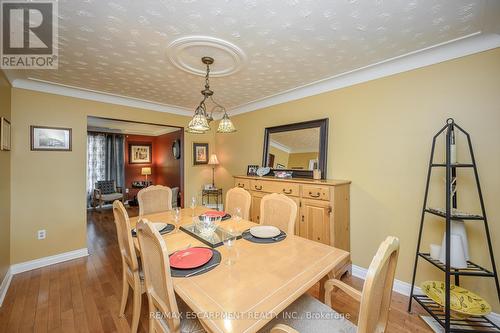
x: 146, y: 171
x: 199, y: 123
x: 213, y: 160
x: 226, y: 125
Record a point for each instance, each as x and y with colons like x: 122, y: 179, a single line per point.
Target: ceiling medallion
x: 185, y: 54
x: 201, y: 119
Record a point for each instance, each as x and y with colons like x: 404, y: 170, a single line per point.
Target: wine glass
x: 176, y: 212
x: 193, y: 205
x: 237, y: 214
x: 229, y: 242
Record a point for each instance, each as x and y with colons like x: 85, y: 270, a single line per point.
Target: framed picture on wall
x: 200, y: 153
x: 4, y: 134
x: 50, y: 138
x: 139, y: 153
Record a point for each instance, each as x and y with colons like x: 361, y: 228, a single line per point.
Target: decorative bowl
x: 206, y: 225
x: 464, y: 303
x: 262, y: 171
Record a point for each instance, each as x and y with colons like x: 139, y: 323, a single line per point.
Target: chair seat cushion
x: 111, y: 196
x: 307, y: 314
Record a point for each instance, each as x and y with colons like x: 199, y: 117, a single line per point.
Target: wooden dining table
x: 263, y: 280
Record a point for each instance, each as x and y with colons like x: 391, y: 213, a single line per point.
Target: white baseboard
x: 404, y: 288
x: 5, y: 285
x: 46, y: 261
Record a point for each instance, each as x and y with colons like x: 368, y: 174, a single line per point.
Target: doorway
x: 125, y: 156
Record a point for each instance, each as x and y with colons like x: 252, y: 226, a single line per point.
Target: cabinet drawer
x: 243, y: 183
x: 275, y: 187
x: 316, y: 192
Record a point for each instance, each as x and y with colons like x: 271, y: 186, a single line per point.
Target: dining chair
x: 154, y: 199
x: 238, y: 198
x: 278, y: 210
x: 165, y: 313
x: 132, y: 274
x: 375, y: 300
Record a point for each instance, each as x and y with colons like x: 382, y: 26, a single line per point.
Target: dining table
x: 260, y: 283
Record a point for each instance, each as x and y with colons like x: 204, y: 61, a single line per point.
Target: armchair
x: 106, y: 191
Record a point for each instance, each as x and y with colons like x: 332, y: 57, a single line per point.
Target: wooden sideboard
x: 323, y: 214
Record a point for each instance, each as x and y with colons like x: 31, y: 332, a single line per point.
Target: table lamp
x: 145, y: 172
x: 213, y: 161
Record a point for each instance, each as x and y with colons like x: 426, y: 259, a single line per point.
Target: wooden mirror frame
x: 323, y: 145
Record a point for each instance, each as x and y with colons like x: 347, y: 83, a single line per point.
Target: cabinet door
x: 255, y: 210
x: 316, y: 221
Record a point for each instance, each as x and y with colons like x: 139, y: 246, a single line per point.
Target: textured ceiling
x: 299, y: 141
x: 120, y: 47
x: 126, y: 127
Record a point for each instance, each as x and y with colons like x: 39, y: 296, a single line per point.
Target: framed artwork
x: 50, y: 138
x: 4, y: 134
x: 252, y: 170
x: 200, y: 153
x: 140, y: 153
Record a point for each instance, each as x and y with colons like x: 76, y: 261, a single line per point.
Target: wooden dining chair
x: 375, y: 300
x: 238, y: 198
x: 154, y: 199
x: 165, y: 313
x: 132, y: 275
x: 278, y: 210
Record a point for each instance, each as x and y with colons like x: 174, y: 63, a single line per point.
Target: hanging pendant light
x: 201, y: 119
x: 226, y: 125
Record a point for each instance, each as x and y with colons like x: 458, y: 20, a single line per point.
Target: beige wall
x: 380, y: 137
x: 280, y: 156
x: 49, y: 191
x: 301, y: 160
x: 4, y: 183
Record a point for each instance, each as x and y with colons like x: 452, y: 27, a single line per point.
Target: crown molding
x: 460, y: 47
x: 457, y: 48
x: 94, y: 95
x: 280, y: 146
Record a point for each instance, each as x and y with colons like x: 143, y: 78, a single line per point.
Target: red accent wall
x: 164, y: 168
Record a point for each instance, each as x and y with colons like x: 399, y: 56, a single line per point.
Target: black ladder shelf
x: 440, y: 314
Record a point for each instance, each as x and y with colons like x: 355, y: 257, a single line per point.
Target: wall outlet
x: 41, y: 234
x: 126, y: 190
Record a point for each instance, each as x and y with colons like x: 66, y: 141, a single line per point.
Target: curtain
x: 105, y: 160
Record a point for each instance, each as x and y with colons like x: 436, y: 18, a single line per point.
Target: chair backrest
x: 154, y: 199
x: 278, y: 210
x: 123, y: 231
x: 238, y: 198
x: 106, y: 186
x: 377, y: 289
x: 159, y: 285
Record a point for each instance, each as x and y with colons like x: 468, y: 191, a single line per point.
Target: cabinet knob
x: 258, y: 187
x: 241, y: 185
x: 314, y: 195
x: 287, y: 192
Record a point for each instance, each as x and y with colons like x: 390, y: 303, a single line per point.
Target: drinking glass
x: 237, y: 214
x: 229, y: 242
x: 176, y: 214
x: 193, y: 205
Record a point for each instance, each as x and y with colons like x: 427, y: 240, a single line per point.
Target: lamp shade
x: 146, y: 171
x: 213, y: 160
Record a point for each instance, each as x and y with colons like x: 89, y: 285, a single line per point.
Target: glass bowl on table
x: 206, y: 225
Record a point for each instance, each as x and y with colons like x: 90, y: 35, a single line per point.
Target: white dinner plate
x: 158, y: 226
x: 265, y: 231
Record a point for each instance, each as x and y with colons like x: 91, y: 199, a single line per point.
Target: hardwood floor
x: 83, y: 295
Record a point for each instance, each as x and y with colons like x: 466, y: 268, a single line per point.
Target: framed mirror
x: 299, y: 147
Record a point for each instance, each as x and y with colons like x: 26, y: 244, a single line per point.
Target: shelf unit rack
x: 443, y: 314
